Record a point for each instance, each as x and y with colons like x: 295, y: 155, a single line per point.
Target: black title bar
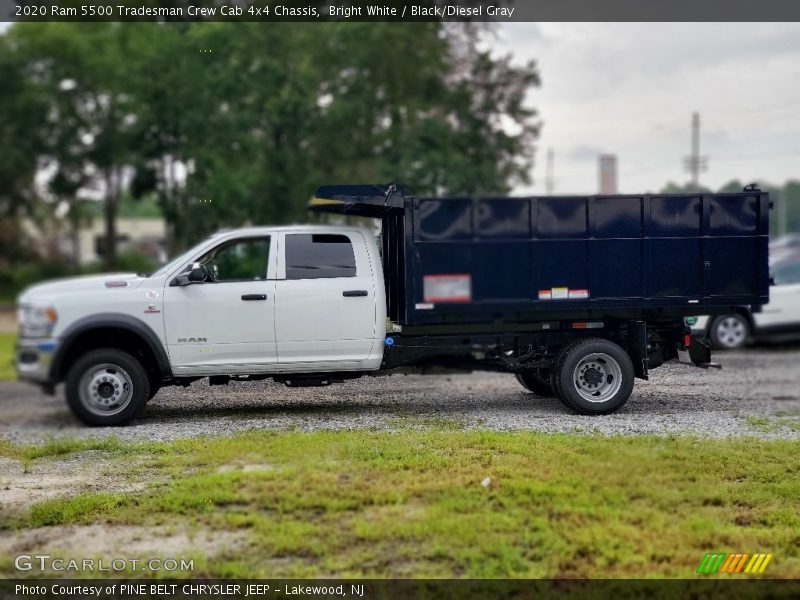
x: 400, y: 11
x: 384, y: 589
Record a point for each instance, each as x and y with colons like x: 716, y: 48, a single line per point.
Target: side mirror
x: 197, y: 274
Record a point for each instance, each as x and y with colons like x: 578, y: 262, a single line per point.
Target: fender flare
x: 109, y: 320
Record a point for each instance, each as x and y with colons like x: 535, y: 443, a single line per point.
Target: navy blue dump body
x: 500, y: 260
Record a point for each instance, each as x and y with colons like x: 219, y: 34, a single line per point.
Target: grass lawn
x: 7, y: 356
x: 448, y: 503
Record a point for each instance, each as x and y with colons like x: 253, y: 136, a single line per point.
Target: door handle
x: 254, y: 297
x: 354, y: 293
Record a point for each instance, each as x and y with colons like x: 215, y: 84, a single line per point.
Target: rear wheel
x: 154, y: 388
x: 536, y: 381
x: 729, y: 332
x: 594, y: 376
x: 107, y: 387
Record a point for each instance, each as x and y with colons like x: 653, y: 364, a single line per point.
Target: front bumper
x: 34, y: 358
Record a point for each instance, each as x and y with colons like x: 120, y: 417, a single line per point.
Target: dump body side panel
x: 511, y: 260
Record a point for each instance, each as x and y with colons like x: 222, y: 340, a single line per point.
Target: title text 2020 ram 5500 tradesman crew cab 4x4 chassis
x: 576, y: 296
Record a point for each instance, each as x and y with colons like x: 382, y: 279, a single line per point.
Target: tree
x: 235, y: 123
x: 21, y: 141
x: 271, y: 112
x: 81, y: 69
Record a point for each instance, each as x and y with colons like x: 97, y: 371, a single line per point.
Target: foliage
x: 7, y: 341
x: 21, y: 142
x: 443, y: 503
x: 235, y: 123
x: 788, y: 193
x: 16, y: 278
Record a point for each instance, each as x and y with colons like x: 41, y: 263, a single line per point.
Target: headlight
x: 36, y: 320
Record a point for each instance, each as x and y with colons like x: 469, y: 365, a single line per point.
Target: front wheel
x: 107, y: 387
x: 594, y: 376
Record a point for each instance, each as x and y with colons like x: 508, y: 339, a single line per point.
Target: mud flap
x: 698, y: 354
x: 637, y: 347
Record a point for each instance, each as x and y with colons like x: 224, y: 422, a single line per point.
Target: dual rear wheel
x: 591, y: 376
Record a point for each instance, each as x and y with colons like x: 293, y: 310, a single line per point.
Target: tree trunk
x: 110, y: 215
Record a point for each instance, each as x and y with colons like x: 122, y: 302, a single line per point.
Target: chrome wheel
x: 105, y: 389
x: 731, y: 332
x: 597, y: 377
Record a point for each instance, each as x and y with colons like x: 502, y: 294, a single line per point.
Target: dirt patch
x: 248, y: 468
x: 8, y: 321
x: 22, y: 485
x: 114, y: 542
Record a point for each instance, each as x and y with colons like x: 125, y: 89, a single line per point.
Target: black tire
x: 154, y: 389
x: 594, y: 376
x: 536, y: 381
x: 555, y: 381
x: 729, y: 332
x: 107, y: 387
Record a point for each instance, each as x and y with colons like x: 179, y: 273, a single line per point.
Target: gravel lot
x: 757, y: 393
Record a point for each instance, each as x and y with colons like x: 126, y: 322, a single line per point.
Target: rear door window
x: 319, y: 256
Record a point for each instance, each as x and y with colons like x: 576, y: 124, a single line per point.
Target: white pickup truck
x: 283, y: 302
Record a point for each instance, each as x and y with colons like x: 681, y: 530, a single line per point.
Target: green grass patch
x: 767, y: 425
x: 62, y: 447
x: 412, y: 503
x: 77, y: 509
x: 7, y: 341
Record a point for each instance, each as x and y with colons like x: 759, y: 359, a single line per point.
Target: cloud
x: 630, y: 89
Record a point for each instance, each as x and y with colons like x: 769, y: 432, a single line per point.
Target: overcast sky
x: 630, y: 88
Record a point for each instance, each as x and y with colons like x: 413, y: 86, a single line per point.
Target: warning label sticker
x: 455, y: 287
x: 563, y: 293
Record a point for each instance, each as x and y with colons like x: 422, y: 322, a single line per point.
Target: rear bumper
x: 34, y: 358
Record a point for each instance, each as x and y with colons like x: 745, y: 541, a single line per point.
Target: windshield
x: 178, y: 260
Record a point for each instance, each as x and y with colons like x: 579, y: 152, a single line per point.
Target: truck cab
x: 301, y: 304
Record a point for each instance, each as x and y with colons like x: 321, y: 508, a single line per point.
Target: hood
x: 108, y: 282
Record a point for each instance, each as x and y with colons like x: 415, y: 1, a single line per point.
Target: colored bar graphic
x: 740, y: 564
x: 731, y: 560
x: 733, y: 563
x: 764, y: 564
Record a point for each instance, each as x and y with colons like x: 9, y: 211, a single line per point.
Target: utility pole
x: 694, y: 163
x: 549, y: 180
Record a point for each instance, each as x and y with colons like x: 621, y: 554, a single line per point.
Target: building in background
x: 608, y: 174
x: 141, y: 235
x: 144, y: 236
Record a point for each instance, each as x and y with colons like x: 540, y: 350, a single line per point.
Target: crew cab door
x: 782, y: 313
x: 325, y: 298
x: 229, y: 319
